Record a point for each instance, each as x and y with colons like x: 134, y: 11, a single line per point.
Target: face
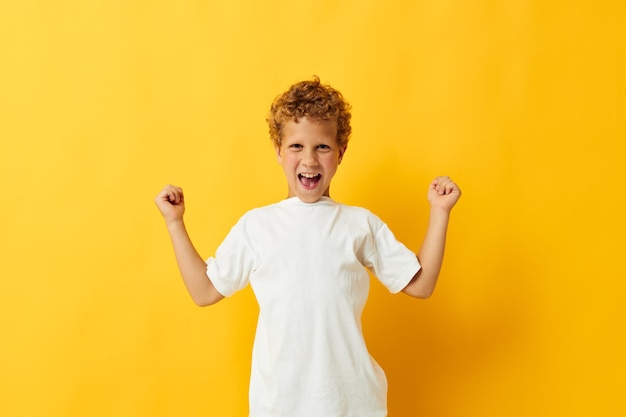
x: 309, y: 155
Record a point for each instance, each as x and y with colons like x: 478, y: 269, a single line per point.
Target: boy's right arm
x: 171, y: 203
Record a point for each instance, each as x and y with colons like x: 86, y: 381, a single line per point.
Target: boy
x: 306, y: 258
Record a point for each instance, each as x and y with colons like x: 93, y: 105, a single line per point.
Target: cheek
x: 334, y: 159
x: 289, y: 162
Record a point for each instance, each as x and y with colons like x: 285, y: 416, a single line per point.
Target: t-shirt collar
x: 296, y: 201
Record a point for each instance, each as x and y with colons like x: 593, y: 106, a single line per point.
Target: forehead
x: 306, y: 128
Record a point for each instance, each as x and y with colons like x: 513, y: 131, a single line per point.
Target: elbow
x: 206, y: 300
x: 202, y: 303
x: 206, y: 294
x: 421, y: 286
x: 424, y: 295
x: 420, y: 293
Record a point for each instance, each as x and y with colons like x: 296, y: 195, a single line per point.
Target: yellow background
x: 104, y: 102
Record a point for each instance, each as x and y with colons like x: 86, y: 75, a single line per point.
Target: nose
x: 309, y: 159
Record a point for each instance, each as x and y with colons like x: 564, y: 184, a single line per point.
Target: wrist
x: 176, y: 223
x: 439, y: 211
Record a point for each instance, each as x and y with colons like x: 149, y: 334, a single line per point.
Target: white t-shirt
x: 305, y: 263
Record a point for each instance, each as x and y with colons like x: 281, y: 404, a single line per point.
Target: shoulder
x: 259, y: 214
x: 360, y: 215
x: 356, y: 210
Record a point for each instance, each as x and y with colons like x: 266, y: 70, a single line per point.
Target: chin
x: 309, y: 196
x: 310, y: 199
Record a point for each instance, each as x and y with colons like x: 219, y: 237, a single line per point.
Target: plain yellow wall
x: 104, y: 102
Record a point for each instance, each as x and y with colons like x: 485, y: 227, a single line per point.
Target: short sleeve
x: 229, y: 270
x: 390, y: 260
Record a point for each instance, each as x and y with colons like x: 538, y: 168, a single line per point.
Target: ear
x: 342, y: 151
x: 279, y: 157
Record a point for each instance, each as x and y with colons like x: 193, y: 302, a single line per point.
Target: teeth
x: 309, y: 175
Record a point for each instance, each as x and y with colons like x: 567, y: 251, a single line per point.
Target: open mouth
x: 309, y: 181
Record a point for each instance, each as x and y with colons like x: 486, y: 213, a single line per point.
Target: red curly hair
x: 314, y: 100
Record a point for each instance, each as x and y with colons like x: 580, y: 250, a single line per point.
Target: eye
x: 324, y: 147
x: 295, y: 146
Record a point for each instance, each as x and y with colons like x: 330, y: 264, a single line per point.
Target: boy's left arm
x: 443, y: 194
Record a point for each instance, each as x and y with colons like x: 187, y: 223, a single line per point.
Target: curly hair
x: 313, y: 100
